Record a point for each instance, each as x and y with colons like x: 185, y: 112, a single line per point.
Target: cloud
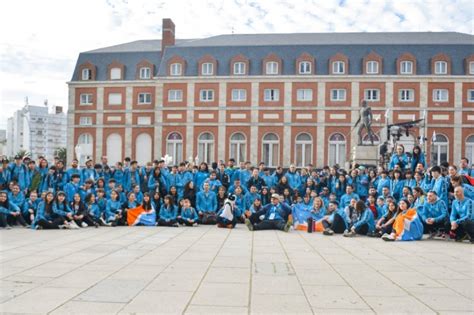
x: 40, y: 40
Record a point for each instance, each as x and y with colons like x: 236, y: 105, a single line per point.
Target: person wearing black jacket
x: 221, y: 197
x: 80, y: 214
x: 190, y: 193
x: 255, y: 180
x: 222, y: 176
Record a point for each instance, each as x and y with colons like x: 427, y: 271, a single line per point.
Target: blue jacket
x: 199, y: 178
x: 11, y: 208
x: 249, y: 198
x: 28, y: 204
x: 294, y: 179
x: 41, y: 214
x: 466, y: 171
x: 112, y: 208
x: 269, y: 180
x: 130, y: 178
x: 94, y: 210
x: 18, y: 200
x: 189, y: 214
x: 468, y: 191
x: 421, y: 159
x: 213, y: 184
x: 462, y: 211
x: 387, y: 182
x: 396, y: 159
x: 346, y: 199
x: 244, y: 176
x: 366, y: 217
x: 61, y: 209
x: 19, y: 174
x: 71, y: 171
x: 341, y: 213
x: 318, y: 215
x: 439, y: 186
x: 278, y: 212
x: 438, y: 211
x: 89, y: 173
x: 157, y: 183
x: 362, y: 185
x: 232, y: 189
x: 48, y: 183
x: 71, y: 189
x: 396, y: 188
x: 168, y: 213
x: 206, y: 202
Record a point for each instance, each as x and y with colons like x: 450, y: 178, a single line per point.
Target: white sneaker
x: 73, y: 225
x: 84, y: 224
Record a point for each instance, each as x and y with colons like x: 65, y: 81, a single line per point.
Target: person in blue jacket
x: 439, y: 184
x: 206, y: 205
x: 156, y: 182
x: 10, y: 213
x: 250, y: 197
x: 468, y: 189
x: 61, y: 176
x: 201, y: 175
x: 46, y: 218
x: 131, y: 177
x: 362, y: 184
x: 365, y: 224
x: 16, y: 196
x: 30, y: 207
x: 383, y: 181
x: 113, y: 209
x: 168, y: 213
x: 396, y: 185
x: 434, y: 215
x: 346, y: 198
x: 88, y: 172
x: 189, y: 216
x: 214, y: 183
x: 417, y: 157
x: 335, y: 219
x: 464, y: 168
x: 93, y: 210
x: 61, y: 209
x: 18, y: 173
x: 72, y: 187
x: 275, y: 217
x: 294, y: 178
x: 74, y: 169
x: 462, y: 216
x: 398, y: 158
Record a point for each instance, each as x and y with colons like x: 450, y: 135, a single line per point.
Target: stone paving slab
x: 206, y: 270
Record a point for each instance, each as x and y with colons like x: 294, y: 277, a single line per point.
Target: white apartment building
x: 37, y: 129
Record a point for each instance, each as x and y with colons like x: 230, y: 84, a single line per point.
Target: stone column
x: 99, y: 136
x: 221, y: 142
x: 128, y: 121
x: 254, y: 141
x: 321, y: 132
x: 288, y: 152
x: 158, y: 123
x: 190, y: 123
x: 456, y: 145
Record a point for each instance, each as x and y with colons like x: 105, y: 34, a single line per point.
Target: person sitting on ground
x: 168, y: 213
x: 462, y: 216
x: 335, y: 220
x: 189, y: 216
x: 434, y: 215
x: 206, y: 204
x: 385, y: 224
x: 407, y: 225
x: 275, y: 217
x: 365, y: 223
x: 225, y: 216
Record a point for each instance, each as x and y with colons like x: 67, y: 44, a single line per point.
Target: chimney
x: 167, y: 38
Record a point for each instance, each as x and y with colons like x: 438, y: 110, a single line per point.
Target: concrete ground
x: 206, y: 270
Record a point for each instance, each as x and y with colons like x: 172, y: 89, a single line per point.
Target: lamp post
x: 433, y: 156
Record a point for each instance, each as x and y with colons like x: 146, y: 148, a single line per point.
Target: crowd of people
x: 400, y: 202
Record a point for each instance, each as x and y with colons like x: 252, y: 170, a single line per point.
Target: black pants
x: 163, y: 222
x: 3, y: 220
x: 270, y: 225
x: 14, y: 220
x: 363, y: 229
x: 338, y: 225
x: 186, y: 222
x: 122, y: 221
x: 388, y: 229
x: 466, y: 227
x: 208, y: 218
x: 47, y: 225
x: 436, y: 227
x: 87, y: 219
x: 223, y: 222
x: 254, y: 218
x: 26, y: 217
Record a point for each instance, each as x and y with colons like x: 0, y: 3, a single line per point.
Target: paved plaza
x: 206, y: 270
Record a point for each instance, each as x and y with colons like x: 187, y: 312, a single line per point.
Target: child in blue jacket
x: 189, y: 216
x: 168, y: 213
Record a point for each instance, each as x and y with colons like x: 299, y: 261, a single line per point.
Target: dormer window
x: 305, y: 67
x: 115, y: 74
x: 86, y: 74
x: 406, y: 67
x: 176, y: 69
x: 372, y: 67
x: 338, y: 67
x: 145, y: 73
x: 207, y: 68
x: 239, y: 68
x: 271, y: 67
x: 441, y: 67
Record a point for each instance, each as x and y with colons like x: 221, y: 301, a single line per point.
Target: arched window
x: 85, y: 148
x: 238, y: 144
x: 114, y: 148
x: 143, y: 144
x: 174, y: 147
x: 303, y: 149
x: 366, y: 140
x: 206, y: 147
x: 440, y: 149
x: 337, y: 149
x: 271, y: 149
x: 470, y: 148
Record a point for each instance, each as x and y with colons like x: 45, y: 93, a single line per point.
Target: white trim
x: 338, y: 95
x: 115, y: 73
x: 175, y: 95
x: 143, y: 120
x: 174, y: 116
x: 145, y: 73
x: 337, y: 116
x: 338, y: 67
x: 240, y: 66
x: 271, y: 116
x: 144, y: 98
x: 374, y: 67
x: 440, y: 117
x: 238, y: 116
x: 176, y: 69
x: 207, y: 68
x: 305, y: 67
x: 206, y: 116
x: 441, y: 67
x: 114, y: 118
x: 271, y: 67
x: 304, y: 116
x: 206, y: 95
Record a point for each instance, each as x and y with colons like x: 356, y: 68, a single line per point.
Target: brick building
x: 277, y: 98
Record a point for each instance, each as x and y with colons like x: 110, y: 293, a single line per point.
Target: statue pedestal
x: 367, y: 154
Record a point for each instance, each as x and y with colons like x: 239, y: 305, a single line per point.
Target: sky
x: 41, y: 40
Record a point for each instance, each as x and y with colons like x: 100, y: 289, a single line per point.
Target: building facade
x: 276, y: 98
x: 38, y: 130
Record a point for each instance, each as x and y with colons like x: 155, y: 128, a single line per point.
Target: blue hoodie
x: 189, y: 213
x: 437, y: 210
x: 462, y: 211
x: 168, y: 213
x: 366, y: 217
x: 30, y: 205
x: 61, y: 209
x: 112, y: 208
x: 206, y: 202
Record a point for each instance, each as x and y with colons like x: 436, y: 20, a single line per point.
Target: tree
x: 61, y: 153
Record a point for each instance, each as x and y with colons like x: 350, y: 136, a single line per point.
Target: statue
x: 365, y: 118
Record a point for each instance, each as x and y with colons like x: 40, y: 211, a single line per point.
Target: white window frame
x: 176, y: 69
x: 470, y: 96
x: 206, y: 148
x: 271, y: 161
x: 305, y: 146
x: 239, y: 68
x: 440, y: 95
x: 111, y: 95
x: 406, y: 95
x: 174, y: 147
x: 239, y: 95
x: 271, y: 67
x: 304, y: 95
x: 470, y: 148
x: 144, y: 98
x: 271, y: 95
x: 175, y: 95
x: 304, y: 67
x: 145, y: 73
x: 86, y: 74
x: 206, y: 95
x: 372, y: 95
x: 441, y: 67
x: 86, y: 99
x: 85, y: 121
x: 207, y: 68
x: 238, y: 148
x: 115, y: 73
x: 338, y: 67
x: 338, y: 95
x: 372, y: 67
x: 404, y: 65
x: 437, y: 148
x: 338, y: 146
x: 471, y: 67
